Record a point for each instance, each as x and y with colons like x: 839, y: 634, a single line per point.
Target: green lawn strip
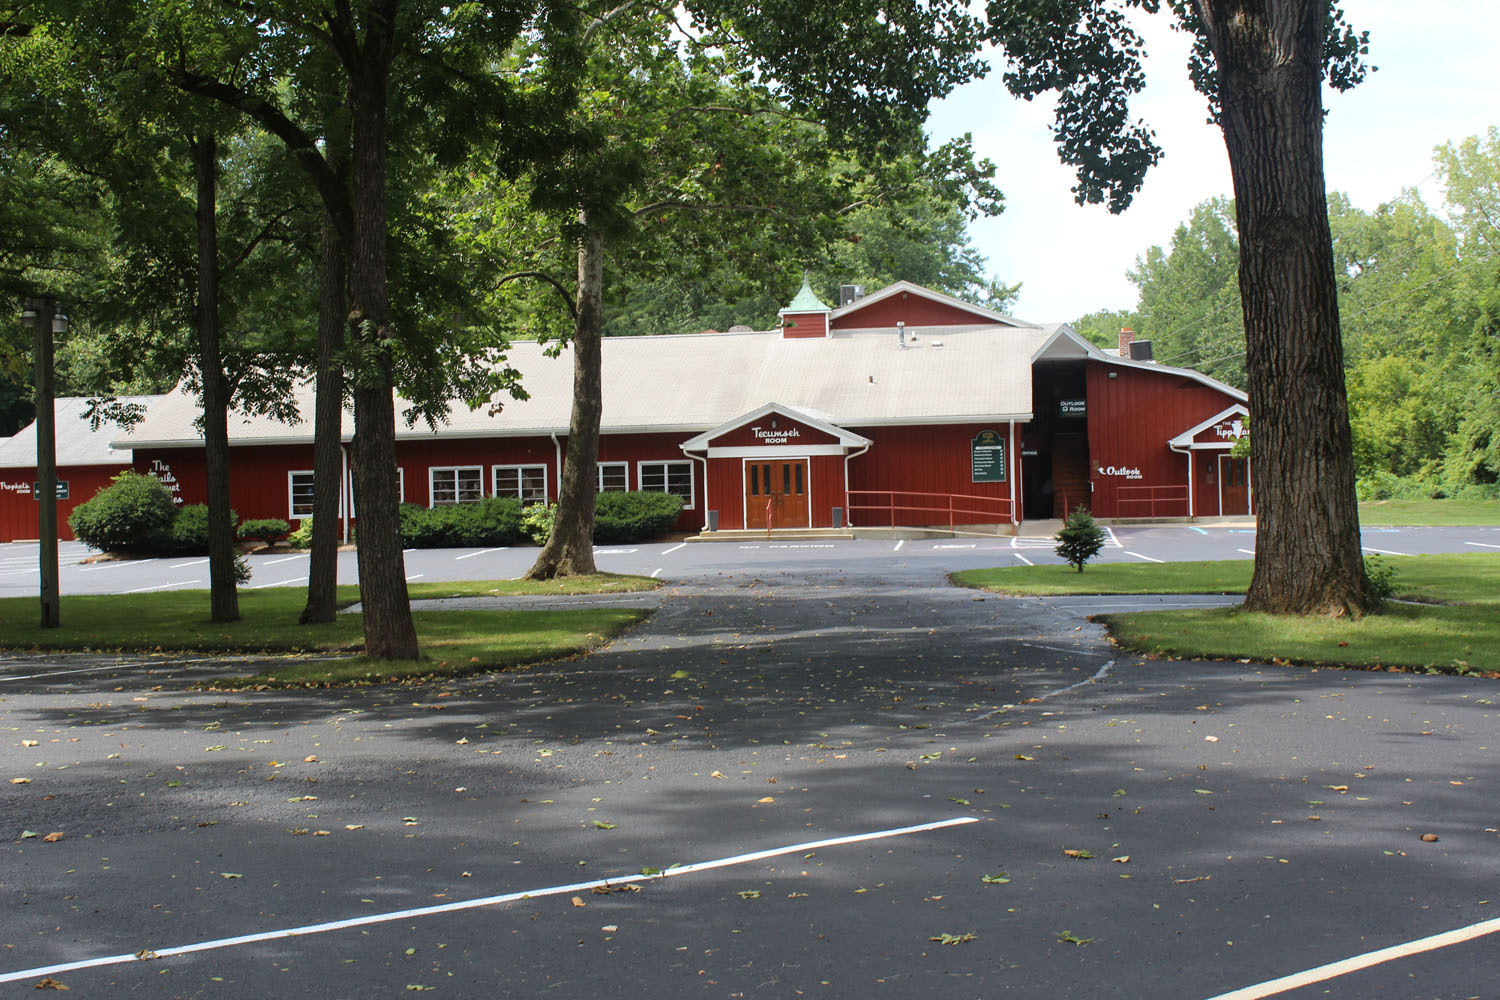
x: 596, y: 583
x: 1437, y: 513
x: 1227, y: 576
x: 456, y: 643
x: 1455, y: 630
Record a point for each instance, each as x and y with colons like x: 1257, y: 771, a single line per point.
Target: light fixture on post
x: 45, y: 320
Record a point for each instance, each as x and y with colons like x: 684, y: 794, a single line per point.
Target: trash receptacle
x: 713, y: 521
x: 838, y: 517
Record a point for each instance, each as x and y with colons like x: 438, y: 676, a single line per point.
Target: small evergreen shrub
x: 1380, y: 578
x: 634, y: 517
x: 1080, y: 539
x: 537, y: 521
x: 302, y: 537
x: 132, y: 514
x: 491, y: 521
x: 189, y: 531
x: 266, y: 529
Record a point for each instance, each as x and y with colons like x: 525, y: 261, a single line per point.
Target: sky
x: 1437, y: 81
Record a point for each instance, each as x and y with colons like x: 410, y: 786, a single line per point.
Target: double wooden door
x: 776, y: 493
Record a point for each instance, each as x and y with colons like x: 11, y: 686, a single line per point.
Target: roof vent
x: 1140, y: 350
x: 850, y: 293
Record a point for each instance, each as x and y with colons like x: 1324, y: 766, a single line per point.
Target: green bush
x: 537, y: 520
x: 266, y: 529
x: 133, y: 514
x: 189, y: 531
x: 491, y: 521
x: 634, y: 517
x: 1380, y: 578
x: 302, y: 537
x: 1080, y: 539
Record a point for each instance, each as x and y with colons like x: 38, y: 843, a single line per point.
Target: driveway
x: 844, y: 765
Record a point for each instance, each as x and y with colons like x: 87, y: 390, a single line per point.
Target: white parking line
x: 618, y: 552
x: 278, y: 583
x: 113, y: 565
x: 1483, y: 545
x: 481, y: 552
x: 415, y: 576
x: 194, y: 562
x: 1384, y: 552
x: 1146, y: 558
x: 899, y: 542
x: 969, y: 546
x: 273, y: 562
x: 1248, y: 552
x: 1024, y: 559
x: 1365, y: 961
x: 655, y: 571
x: 1110, y: 540
x: 679, y: 545
x: 472, y: 904
x: 162, y: 586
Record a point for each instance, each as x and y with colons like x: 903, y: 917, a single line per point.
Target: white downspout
x: 1015, y: 473
x: 557, y: 446
x: 849, y: 514
x: 345, y: 493
x: 1189, y: 453
x: 704, y: 507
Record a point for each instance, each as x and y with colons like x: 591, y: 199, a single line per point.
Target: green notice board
x: 987, y: 457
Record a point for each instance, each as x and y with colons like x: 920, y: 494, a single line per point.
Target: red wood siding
x: 745, y: 436
x: 926, y: 459
x: 18, y: 511
x: 726, y: 489
x: 904, y: 307
x: 1131, y: 418
x: 803, y: 326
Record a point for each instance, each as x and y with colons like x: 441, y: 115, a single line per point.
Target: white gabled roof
x: 76, y: 442
x: 846, y: 438
x: 1185, y: 439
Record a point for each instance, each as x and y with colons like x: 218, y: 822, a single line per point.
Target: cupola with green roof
x: 806, y: 316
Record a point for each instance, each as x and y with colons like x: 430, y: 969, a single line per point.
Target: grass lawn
x: 1456, y: 628
x: 453, y: 642
x: 1440, y: 513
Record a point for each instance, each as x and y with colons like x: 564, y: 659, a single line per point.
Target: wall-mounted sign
x: 1118, y: 471
x: 163, y: 472
x: 783, y: 436
x: 62, y: 490
x: 987, y: 457
x: 1072, y: 407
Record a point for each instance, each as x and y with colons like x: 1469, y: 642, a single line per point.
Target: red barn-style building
x: 903, y: 407
x: 85, y: 464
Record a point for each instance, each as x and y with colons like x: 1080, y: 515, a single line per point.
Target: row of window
x: 528, y: 483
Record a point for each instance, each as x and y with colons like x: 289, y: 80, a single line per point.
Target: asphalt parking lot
x: 869, y: 783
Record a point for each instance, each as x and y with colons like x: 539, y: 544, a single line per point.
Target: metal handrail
x: 1152, y: 496
x: 951, y: 504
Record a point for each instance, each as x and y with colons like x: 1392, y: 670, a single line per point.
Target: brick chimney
x: 1126, y: 336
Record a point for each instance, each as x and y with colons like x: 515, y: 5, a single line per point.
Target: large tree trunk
x: 570, y: 549
x: 328, y: 413
x: 389, y: 631
x: 1269, y: 58
x: 224, y: 596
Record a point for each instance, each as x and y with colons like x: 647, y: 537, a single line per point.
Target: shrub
x: 189, y: 531
x: 1080, y: 538
x: 133, y: 514
x: 1380, y: 578
x: 492, y: 521
x: 537, y: 521
x: 302, y: 537
x: 634, y: 517
x: 267, y: 529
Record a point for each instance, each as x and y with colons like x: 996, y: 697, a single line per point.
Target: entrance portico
x: 776, y: 467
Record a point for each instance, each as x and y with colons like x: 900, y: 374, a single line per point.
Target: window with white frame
x: 668, y: 477
x: 614, y: 477
x: 528, y: 483
x: 400, y: 488
x: 299, y: 488
x: 460, y: 484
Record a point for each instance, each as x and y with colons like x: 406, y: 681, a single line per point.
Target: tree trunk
x: 224, y: 597
x: 1269, y: 58
x: 570, y: 549
x: 328, y: 413
x: 389, y: 631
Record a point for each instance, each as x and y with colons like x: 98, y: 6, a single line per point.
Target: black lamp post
x: 45, y: 319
